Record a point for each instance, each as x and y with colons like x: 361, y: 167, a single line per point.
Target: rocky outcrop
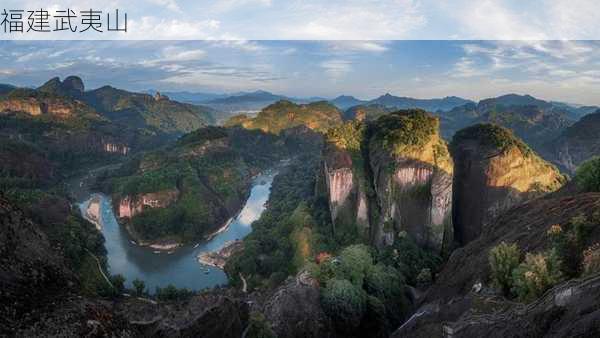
x: 494, y: 171
x: 345, y: 190
x: 294, y: 310
x: 116, y: 148
x: 205, y: 315
x: 38, y: 290
x: 412, y: 179
x: 452, y: 306
x: 41, y: 106
x: 389, y: 176
x: 578, y: 143
x: 130, y: 206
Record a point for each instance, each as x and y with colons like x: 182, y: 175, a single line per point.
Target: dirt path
x: 100, y: 269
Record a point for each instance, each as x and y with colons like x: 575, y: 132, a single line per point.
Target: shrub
x: 387, y: 284
x: 504, y: 258
x: 569, y: 244
x: 258, y: 326
x: 118, y: 281
x: 344, y: 302
x: 587, y: 175
x: 139, y: 286
x: 535, y: 275
x: 424, y: 278
x: 591, y: 260
x: 410, y: 259
x: 171, y: 292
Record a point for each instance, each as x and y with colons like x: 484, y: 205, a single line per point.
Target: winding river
x: 181, y: 267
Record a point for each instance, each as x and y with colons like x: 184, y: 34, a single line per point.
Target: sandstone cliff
x: 412, y: 178
x: 390, y: 176
x: 129, y: 206
x: 36, y: 106
x: 344, y: 177
x: 494, y: 171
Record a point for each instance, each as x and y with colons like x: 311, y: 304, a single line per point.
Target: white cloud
x: 172, y: 53
x: 168, y: 4
x: 336, y: 68
x: 357, y: 46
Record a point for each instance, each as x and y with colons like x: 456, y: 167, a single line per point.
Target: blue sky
x: 558, y: 70
x: 336, y: 19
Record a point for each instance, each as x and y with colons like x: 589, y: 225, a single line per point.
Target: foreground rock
x: 494, y: 171
x: 206, y: 315
x: 294, y: 310
x: 38, y: 291
x: 451, y: 299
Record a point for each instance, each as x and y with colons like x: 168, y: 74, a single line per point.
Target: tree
x: 587, y: 175
x: 344, y: 302
x: 504, y: 258
x: 118, y: 281
x: 139, y: 286
x: 355, y: 261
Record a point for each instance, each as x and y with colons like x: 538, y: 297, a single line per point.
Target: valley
x: 391, y: 217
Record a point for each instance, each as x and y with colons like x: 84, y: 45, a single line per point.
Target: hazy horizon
x: 550, y: 70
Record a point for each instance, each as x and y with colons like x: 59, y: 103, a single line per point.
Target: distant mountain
x: 258, y: 96
x: 344, y: 102
x: 6, y: 88
x: 189, y: 97
x: 72, y: 87
x: 141, y: 110
x: 431, y: 105
x: 250, y: 103
x: 535, y: 121
x: 284, y: 114
x: 576, y: 144
x: 366, y: 112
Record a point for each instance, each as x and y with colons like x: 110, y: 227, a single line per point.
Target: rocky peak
x: 493, y: 171
x: 412, y: 178
x: 74, y: 83
x: 159, y: 97
x: 72, y: 87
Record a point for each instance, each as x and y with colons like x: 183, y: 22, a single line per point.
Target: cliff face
x: 129, y: 206
x: 493, y: 172
x: 36, y: 106
x: 390, y: 176
x: 345, y: 190
x: 412, y: 178
x: 577, y: 143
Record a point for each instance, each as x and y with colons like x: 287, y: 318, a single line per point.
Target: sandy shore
x: 92, y: 212
x: 219, y: 258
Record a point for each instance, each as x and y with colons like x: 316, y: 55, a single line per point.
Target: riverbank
x: 219, y: 258
x: 92, y: 213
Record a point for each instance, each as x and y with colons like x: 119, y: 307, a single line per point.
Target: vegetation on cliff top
x: 492, y: 135
x: 283, y: 114
x: 404, y: 130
